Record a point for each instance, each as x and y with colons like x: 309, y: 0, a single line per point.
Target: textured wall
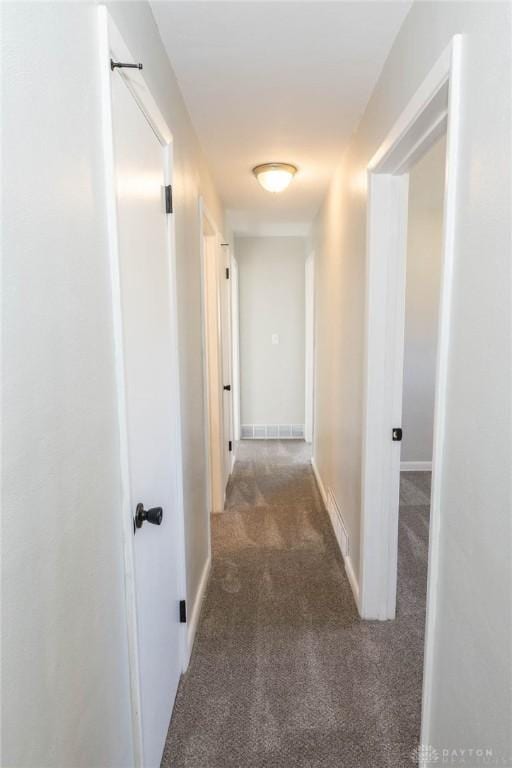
x: 65, y: 683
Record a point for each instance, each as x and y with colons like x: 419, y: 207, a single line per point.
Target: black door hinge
x: 168, y: 198
x: 183, y: 611
x: 227, y: 273
x: 397, y: 434
x: 230, y: 445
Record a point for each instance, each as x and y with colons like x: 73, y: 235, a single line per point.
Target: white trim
x: 415, y: 122
x: 415, y: 466
x: 235, y: 338
x: 386, y: 259
x: 111, y: 44
x: 349, y: 568
x: 204, y: 215
x: 215, y: 498
x: 449, y: 239
x: 226, y: 346
x: 309, y: 389
x: 195, y: 614
x: 433, y: 107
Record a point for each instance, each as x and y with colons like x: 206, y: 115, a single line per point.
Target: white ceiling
x: 276, y: 81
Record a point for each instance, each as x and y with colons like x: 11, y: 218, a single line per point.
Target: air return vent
x: 338, y: 523
x: 272, y: 432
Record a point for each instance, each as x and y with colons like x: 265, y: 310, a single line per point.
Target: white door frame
x: 227, y: 346
x: 215, y: 499
x: 309, y: 410
x: 113, y: 46
x: 235, y: 339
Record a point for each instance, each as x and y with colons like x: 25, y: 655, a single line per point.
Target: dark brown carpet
x: 284, y: 673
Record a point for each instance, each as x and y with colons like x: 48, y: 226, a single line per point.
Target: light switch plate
x: 275, y: 338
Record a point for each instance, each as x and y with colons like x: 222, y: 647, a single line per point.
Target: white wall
x: 424, y: 257
x: 65, y: 684
x: 272, y: 301
x: 470, y: 693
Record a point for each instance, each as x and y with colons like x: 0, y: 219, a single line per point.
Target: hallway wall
x: 469, y: 698
x: 271, y: 274
x: 65, y: 686
x: 423, y: 284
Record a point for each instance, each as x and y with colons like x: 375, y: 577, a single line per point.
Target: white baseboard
x: 349, y: 568
x: 195, y: 613
x: 415, y: 466
x: 319, y: 481
x: 353, y: 580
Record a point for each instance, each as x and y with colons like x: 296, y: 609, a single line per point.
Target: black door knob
x: 153, y: 515
x: 227, y: 387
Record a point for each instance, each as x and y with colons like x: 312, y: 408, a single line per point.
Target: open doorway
x: 432, y: 113
x: 422, y: 294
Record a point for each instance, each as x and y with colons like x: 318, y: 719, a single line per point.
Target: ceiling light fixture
x: 274, y: 177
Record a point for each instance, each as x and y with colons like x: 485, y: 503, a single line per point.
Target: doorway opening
x: 432, y: 112
x: 422, y: 294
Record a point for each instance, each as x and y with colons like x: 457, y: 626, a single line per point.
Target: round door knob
x: 153, y: 515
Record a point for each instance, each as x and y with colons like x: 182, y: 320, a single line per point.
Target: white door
x: 227, y: 400
x: 144, y: 264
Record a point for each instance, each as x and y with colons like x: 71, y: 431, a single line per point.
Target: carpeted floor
x: 284, y: 674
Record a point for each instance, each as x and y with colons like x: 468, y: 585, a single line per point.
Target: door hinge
x: 227, y: 273
x: 168, y: 198
x: 230, y: 445
x: 183, y: 611
x: 397, y: 434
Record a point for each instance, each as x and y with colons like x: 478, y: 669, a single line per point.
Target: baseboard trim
x: 349, y: 568
x: 319, y: 481
x: 193, y: 621
x: 415, y: 466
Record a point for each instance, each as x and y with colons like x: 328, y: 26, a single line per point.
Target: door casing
x: 215, y: 346
x: 309, y: 389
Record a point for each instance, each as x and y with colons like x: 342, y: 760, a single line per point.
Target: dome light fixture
x: 274, y: 177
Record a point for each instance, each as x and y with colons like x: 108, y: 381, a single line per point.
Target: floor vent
x: 272, y: 432
x: 338, y: 523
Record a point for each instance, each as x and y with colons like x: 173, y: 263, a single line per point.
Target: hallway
x: 276, y: 232
x: 284, y: 672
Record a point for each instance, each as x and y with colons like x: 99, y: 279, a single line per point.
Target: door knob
x: 153, y: 515
x: 227, y: 387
